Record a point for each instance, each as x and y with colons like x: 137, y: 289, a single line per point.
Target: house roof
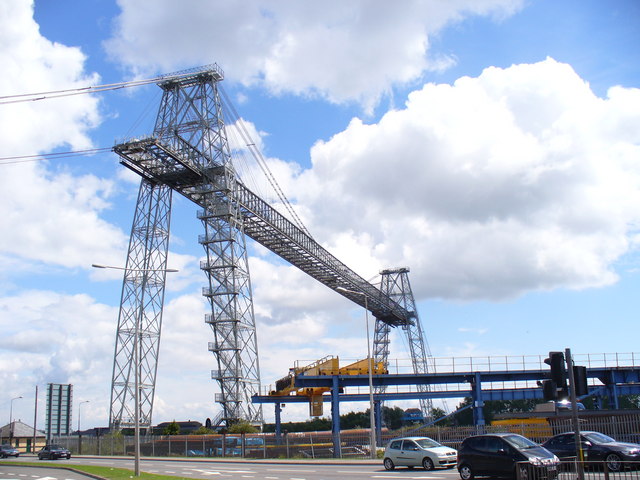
x: 20, y: 430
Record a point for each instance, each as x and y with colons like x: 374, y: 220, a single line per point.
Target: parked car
x: 53, y: 452
x: 500, y: 454
x: 596, y: 447
x: 418, y: 451
x: 8, y: 451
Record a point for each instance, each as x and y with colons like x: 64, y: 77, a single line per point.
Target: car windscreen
x: 519, y: 442
x: 427, y: 443
x: 596, y: 437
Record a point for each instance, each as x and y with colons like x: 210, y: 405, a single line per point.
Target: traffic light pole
x: 574, y: 413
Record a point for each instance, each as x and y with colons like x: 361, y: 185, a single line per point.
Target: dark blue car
x: 53, y: 452
x: 596, y: 446
x: 502, y: 455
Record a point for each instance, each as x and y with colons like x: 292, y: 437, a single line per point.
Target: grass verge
x: 107, y: 473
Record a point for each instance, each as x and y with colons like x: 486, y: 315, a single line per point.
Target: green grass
x: 108, y: 473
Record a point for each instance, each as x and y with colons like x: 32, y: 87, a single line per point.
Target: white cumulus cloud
x: 520, y: 179
x: 341, y: 51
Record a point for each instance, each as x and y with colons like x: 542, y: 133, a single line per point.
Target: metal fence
x: 573, y: 470
x: 353, y: 443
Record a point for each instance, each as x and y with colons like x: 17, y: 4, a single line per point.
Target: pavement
x: 276, y: 461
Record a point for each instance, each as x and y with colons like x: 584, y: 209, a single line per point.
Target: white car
x: 418, y: 451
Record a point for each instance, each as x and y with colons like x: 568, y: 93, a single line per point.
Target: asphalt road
x: 268, y: 470
x: 9, y: 472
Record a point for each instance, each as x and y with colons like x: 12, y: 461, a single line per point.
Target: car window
x: 427, y: 443
x: 596, y: 437
x: 493, y: 444
x: 519, y: 442
x: 396, y: 444
x: 554, y: 441
x: 409, y: 445
x: 473, y: 442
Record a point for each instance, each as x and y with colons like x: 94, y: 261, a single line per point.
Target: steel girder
x: 189, y: 153
x: 190, y: 125
x: 140, y: 318
x: 395, y: 284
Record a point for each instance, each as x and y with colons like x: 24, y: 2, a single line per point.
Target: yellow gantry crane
x: 328, y: 365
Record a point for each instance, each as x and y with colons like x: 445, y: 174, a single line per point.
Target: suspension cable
x: 257, y: 155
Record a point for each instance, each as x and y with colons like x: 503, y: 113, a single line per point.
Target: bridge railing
x: 492, y: 364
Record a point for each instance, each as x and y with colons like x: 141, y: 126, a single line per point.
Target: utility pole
x: 574, y: 413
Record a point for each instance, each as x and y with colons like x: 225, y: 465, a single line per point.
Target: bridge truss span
x: 189, y: 153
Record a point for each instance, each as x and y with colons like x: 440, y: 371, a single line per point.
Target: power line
x: 55, y: 155
x: 33, y: 97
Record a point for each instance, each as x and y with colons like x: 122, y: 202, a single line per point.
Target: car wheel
x: 427, y: 464
x: 614, y: 462
x: 388, y: 464
x: 466, y: 473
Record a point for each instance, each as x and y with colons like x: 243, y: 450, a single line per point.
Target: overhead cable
x: 262, y: 163
x: 55, y: 155
x: 32, y: 97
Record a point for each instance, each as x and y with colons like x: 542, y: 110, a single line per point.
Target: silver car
x: 418, y: 451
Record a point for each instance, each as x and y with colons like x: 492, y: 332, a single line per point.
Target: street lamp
x: 136, y: 360
x: 79, y: 435
x: 80, y: 405
x: 11, y: 418
x: 372, y: 417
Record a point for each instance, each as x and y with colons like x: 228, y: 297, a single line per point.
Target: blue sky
x: 492, y: 146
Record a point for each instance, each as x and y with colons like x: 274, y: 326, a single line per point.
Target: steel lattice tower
x: 188, y: 153
x: 141, y: 308
x: 190, y: 126
x: 395, y: 284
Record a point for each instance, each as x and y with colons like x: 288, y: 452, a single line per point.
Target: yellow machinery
x: 328, y: 365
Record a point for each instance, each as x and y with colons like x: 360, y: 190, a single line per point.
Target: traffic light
x: 549, y: 390
x: 580, y: 379
x: 558, y: 369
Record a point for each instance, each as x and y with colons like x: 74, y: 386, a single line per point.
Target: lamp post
x: 136, y: 360
x: 79, y: 435
x: 11, y: 418
x: 80, y: 405
x: 372, y: 417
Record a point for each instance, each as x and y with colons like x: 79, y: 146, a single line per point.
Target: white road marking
x: 205, y: 472
x: 404, y: 477
x: 290, y: 470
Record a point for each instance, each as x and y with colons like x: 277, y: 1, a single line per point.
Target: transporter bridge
x: 189, y: 153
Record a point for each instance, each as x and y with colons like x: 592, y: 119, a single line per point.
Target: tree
x: 353, y: 420
x: 203, y: 431
x: 629, y: 401
x: 242, y: 426
x: 392, y: 417
x: 172, y: 429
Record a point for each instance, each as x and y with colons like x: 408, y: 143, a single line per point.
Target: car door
x: 498, y: 457
x: 393, y: 452
x: 411, y: 452
x: 567, y: 445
